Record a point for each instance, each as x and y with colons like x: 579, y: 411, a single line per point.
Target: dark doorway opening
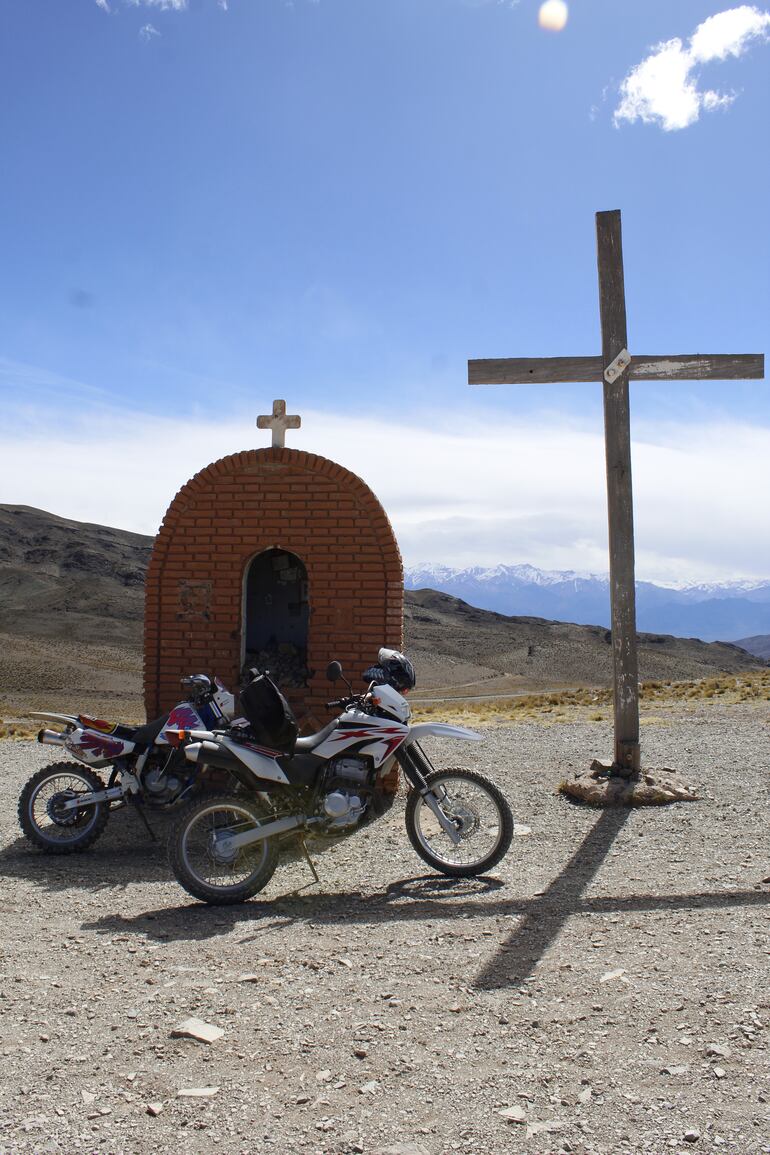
x: 276, y: 616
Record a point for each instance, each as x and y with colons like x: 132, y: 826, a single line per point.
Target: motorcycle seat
x: 145, y: 735
x: 313, y: 740
x: 97, y: 724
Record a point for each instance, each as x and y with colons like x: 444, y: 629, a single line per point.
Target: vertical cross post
x: 617, y: 441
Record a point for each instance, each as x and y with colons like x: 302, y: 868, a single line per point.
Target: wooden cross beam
x: 615, y: 368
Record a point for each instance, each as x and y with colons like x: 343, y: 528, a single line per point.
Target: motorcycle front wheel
x: 480, y: 814
x: 46, y: 822
x: 202, y: 868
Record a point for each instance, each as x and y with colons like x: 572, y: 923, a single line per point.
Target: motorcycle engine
x: 160, y: 786
x: 348, y: 784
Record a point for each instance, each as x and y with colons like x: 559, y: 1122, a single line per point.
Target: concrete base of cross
x: 603, y: 786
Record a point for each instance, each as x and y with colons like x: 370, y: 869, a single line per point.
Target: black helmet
x: 392, y: 669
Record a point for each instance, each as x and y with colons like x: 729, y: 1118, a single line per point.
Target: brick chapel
x: 273, y: 557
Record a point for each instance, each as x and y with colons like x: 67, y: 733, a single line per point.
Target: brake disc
x: 54, y: 808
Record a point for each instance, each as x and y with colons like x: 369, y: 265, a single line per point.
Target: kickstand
x: 309, y: 860
x: 139, y: 810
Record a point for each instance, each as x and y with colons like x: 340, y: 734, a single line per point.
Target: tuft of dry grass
x: 18, y: 731
x: 595, y: 705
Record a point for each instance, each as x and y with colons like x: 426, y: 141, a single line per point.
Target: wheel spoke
x: 47, y: 812
x: 46, y: 816
x: 200, y: 852
x: 474, y: 813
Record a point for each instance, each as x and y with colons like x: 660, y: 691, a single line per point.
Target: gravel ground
x: 609, y: 981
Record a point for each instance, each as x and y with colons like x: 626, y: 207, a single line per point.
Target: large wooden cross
x: 615, y: 368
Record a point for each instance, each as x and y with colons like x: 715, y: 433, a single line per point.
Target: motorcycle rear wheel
x: 44, y: 822
x: 216, y: 879
x: 481, y: 814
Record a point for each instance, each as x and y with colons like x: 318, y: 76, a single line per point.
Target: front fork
x: 416, y: 766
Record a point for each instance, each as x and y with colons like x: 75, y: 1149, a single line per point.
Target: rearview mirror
x: 333, y: 671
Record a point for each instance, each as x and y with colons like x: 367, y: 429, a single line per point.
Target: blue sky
x: 206, y: 205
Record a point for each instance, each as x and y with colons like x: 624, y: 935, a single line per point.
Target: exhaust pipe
x: 207, y: 753
x: 52, y: 738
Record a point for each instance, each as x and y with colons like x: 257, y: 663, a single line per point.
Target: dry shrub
x: 560, y: 707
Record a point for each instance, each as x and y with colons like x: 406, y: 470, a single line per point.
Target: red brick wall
x: 234, y: 509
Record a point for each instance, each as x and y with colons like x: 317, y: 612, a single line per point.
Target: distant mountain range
x: 726, y: 611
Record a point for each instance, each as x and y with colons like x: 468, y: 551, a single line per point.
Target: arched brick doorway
x: 276, y: 615
x: 238, y: 509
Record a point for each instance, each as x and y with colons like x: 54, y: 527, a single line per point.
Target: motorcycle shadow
x: 419, y: 897
x: 125, y: 854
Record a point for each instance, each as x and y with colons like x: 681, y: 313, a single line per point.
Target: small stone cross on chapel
x: 279, y: 422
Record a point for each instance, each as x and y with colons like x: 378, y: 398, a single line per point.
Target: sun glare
x: 553, y: 15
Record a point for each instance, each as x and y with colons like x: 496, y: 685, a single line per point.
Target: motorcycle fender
x: 441, y: 730
x: 63, y: 719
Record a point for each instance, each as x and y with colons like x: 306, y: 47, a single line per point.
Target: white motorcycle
x: 224, y: 848
x: 65, y: 806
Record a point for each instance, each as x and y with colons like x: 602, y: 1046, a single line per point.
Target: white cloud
x: 23, y: 379
x: 527, y: 490
x: 103, y: 5
x: 162, y: 5
x: 660, y: 89
x: 664, y: 89
x: 728, y: 33
x: 148, y: 31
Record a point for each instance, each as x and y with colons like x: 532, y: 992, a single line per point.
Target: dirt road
x: 608, y: 983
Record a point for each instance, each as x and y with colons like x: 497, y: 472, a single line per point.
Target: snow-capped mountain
x: 713, y: 611
x: 499, y: 573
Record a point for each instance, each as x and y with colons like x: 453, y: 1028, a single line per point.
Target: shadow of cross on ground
x: 430, y: 898
x: 548, y: 912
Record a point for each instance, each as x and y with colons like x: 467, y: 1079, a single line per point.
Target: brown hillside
x: 461, y: 649
x: 70, y: 579
x: 71, y: 605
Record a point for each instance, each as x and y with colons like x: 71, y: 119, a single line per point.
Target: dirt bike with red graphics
x: 65, y: 806
x: 224, y: 848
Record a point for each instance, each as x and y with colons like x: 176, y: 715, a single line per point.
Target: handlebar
x: 353, y: 700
